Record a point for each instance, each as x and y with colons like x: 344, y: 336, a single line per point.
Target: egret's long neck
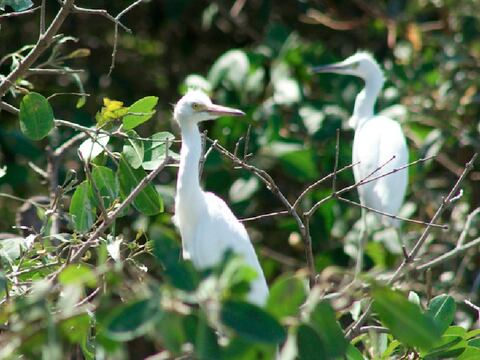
x: 188, y: 183
x: 365, y: 101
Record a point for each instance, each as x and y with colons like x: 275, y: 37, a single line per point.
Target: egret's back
x: 376, y: 141
x: 218, y: 230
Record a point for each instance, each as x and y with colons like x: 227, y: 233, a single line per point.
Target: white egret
x: 207, y: 225
x: 377, y: 139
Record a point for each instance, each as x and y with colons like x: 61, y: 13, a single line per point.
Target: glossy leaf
x: 470, y: 353
x: 155, y: 149
x: 442, y: 310
x: 92, y: 147
x: 139, y: 112
x: 404, y: 319
x: 36, y: 116
x: 148, y: 201
x: 82, y: 208
x: 106, y: 183
x: 133, y: 149
x: 251, y: 322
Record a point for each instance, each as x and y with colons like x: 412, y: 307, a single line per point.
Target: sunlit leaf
x: 231, y: 69
x: 442, y: 310
x: 133, y: 149
x: 286, y: 296
x: 36, y: 116
x: 140, y: 111
x: 92, y: 147
x: 155, y: 149
x: 77, y: 274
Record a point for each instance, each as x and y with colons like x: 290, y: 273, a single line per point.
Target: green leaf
x: 16, y: 5
x: 155, y: 149
x: 77, y: 274
x: 286, y: 296
x: 170, y: 326
x: 132, y: 320
x: 442, y: 310
x: 404, y: 319
x: 133, y: 149
x: 195, y: 81
x: 309, y: 344
x: 82, y: 208
x: 353, y: 353
x: 76, y: 328
x: 139, y: 112
x: 251, y: 322
x: 36, y: 116
x: 323, y: 320
x: 181, y: 274
x: 106, y: 183
x: 148, y: 201
x: 448, y: 346
x: 470, y: 353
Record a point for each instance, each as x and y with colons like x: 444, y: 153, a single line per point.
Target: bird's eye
x: 196, y: 106
x: 355, y: 65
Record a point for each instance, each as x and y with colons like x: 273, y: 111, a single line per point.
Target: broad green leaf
x: 106, y: 183
x: 309, y: 344
x: 148, y: 201
x: 16, y: 5
x: 404, y: 319
x: 180, y: 274
x: 442, y: 310
x: 155, y: 149
x: 323, y: 320
x: 139, y: 112
x: 170, y: 327
x: 251, y: 322
x: 36, y: 116
x: 133, y: 149
x: 470, y: 353
x: 132, y: 320
x: 286, y: 296
x: 77, y: 274
x: 231, y: 69
x: 76, y: 328
x: 12, y: 248
x: 92, y: 147
x: 448, y: 346
x: 353, y: 353
x: 82, y: 208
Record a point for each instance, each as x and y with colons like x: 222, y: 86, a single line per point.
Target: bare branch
x: 101, y: 12
x: 42, y: 44
x: 19, y: 13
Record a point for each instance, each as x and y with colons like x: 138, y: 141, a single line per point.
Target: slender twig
x: 115, y: 37
x: 101, y: 12
x: 410, y: 259
x: 40, y: 71
x: 60, y: 151
x: 42, y: 17
x: 392, y: 216
x: 335, y: 167
x: 466, y: 228
x: 19, y: 13
x: 263, y: 216
x: 113, y: 215
x: 42, y: 44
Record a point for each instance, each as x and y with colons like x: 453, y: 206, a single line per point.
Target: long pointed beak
x: 337, y: 67
x: 219, y: 110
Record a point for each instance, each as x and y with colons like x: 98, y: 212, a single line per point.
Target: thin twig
x: 42, y: 44
x: 263, y: 216
x: 19, y: 13
x: 392, y: 216
x: 113, y: 215
x: 410, y: 259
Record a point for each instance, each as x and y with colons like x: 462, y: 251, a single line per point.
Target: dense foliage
x: 89, y: 271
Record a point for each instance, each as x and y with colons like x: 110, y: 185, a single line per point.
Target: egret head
x: 195, y: 106
x: 361, y: 64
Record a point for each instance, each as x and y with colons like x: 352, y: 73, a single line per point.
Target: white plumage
x: 377, y: 139
x: 207, y: 225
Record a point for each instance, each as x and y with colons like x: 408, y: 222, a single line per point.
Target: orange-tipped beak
x: 220, y: 110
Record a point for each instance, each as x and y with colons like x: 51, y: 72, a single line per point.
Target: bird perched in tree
x: 207, y: 225
x: 377, y: 140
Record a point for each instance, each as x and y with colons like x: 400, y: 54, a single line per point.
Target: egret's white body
x: 377, y: 140
x: 207, y: 225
